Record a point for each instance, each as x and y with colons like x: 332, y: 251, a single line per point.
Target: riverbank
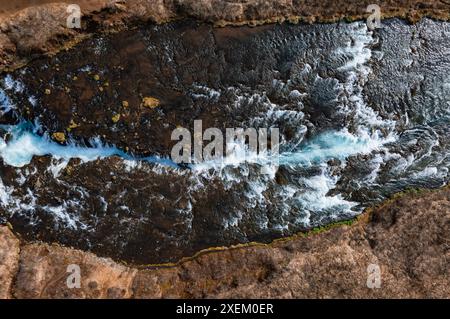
x: 33, y: 28
x: 407, y: 237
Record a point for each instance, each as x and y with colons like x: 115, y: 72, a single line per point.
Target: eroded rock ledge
x: 408, y: 237
x: 27, y: 29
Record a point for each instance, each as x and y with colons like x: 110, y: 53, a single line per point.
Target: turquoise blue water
x: 26, y: 143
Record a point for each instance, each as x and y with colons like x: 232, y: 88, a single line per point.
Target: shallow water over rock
x: 362, y: 115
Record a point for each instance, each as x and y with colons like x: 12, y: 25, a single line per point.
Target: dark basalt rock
x: 98, y: 88
x: 144, y: 215
x: 296, y: 78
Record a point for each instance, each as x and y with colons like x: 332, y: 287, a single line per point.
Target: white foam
x: 23, y: 147
x: 63, y: 216
x: 358, y: 48
x: 316, y: 199
x: 202, y: 91
x: 5, y: 194
x: 334, y: 145
x: 233, y: 221
x: 13, y: 85
x: 56, y: 166
x: 5, y: 103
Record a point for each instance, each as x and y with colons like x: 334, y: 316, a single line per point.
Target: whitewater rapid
x: 26, y: 143
x: 347, y: 142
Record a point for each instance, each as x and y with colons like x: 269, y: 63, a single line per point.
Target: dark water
x: 362, y: 115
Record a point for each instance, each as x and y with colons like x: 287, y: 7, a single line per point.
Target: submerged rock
x: 347, y: 141
x: 163, y: 77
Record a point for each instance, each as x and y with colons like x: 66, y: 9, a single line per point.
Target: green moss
x: 409, y: 192
x: 349, y: 19
x: 318, y: 230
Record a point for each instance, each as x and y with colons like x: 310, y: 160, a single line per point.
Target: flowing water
x: 363, y: 115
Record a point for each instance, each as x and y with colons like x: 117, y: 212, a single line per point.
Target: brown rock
x: 9, y: 261
x: 59, y: 136
x: 44, y: 273
x: 150, y: 102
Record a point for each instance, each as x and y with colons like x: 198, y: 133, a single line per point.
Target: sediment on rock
x: 27, y: 29
x: 328, y: 264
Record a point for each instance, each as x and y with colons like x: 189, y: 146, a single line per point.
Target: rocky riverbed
x: 362, y: 115
x: 86, y: 137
